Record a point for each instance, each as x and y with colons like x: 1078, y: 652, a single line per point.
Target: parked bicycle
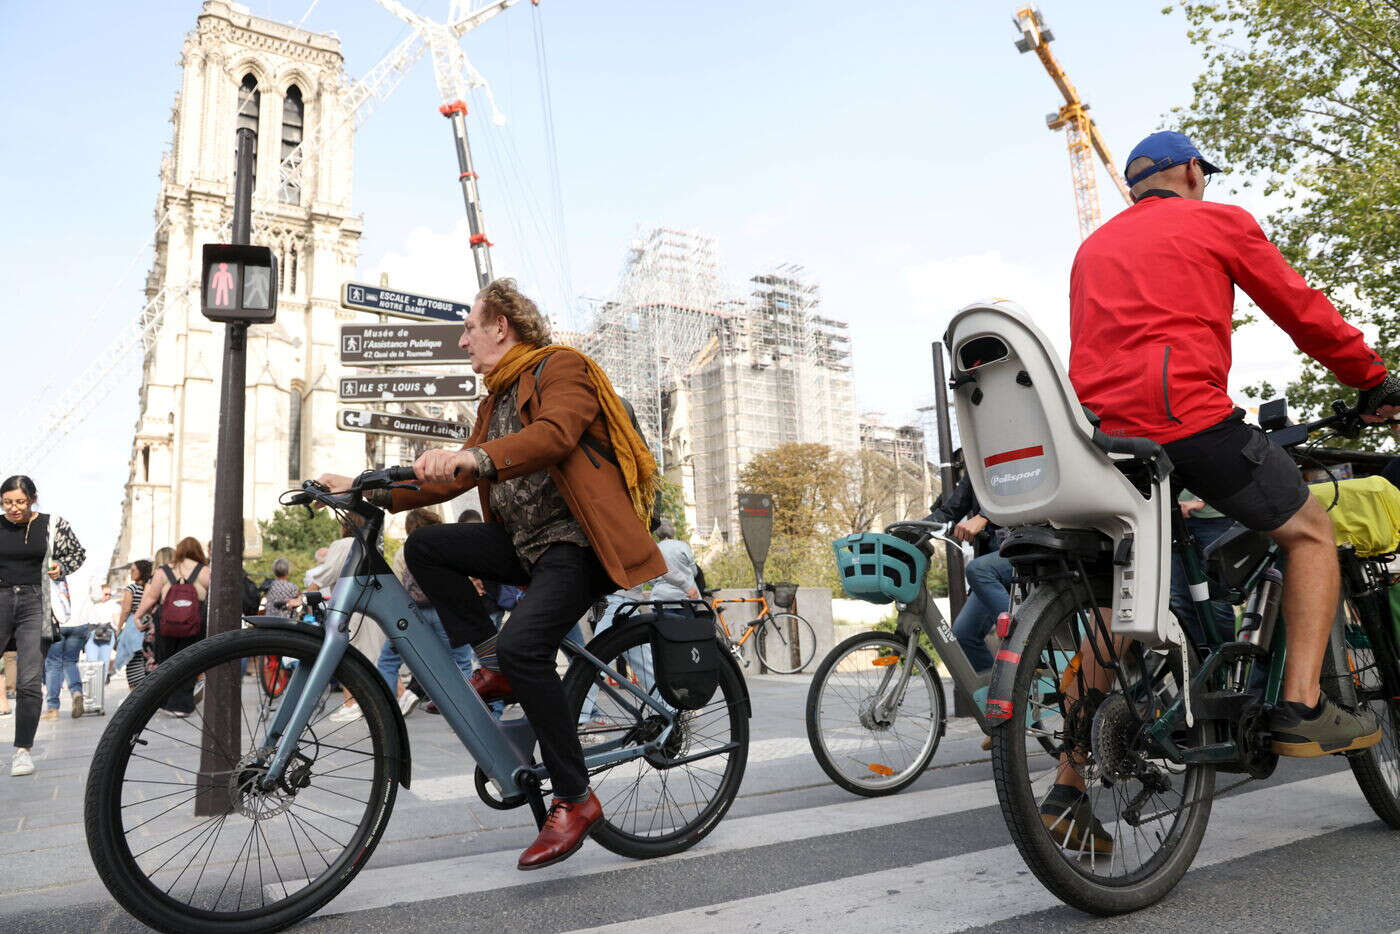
x: 876, y: 708
x: 1146, y: 713
x: 785, y: 642
x: 193, y: 834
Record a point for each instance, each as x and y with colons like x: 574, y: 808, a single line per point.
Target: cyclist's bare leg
x: 1091, y: 675
x: 1310, y: 588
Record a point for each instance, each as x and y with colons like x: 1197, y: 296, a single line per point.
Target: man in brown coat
x: 565, y: 482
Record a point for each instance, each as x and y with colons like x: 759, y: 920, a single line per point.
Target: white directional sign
x: 373, y: 298
x: 419, y: 344
x: 411, y: 426
x: 408, y: 387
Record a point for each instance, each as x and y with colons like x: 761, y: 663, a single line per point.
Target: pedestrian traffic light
x: 239, y: 283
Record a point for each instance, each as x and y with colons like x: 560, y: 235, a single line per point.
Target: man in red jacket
x: 1151, y: 301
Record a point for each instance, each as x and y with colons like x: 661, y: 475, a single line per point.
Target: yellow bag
x: 1366, y: 515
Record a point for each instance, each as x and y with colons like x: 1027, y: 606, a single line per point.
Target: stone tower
x: 289, y: 83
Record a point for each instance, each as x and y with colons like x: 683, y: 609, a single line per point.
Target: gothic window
x: 249, y: 103
x: 292, y: 282
x: 145, y: 463
x: 293, y: 119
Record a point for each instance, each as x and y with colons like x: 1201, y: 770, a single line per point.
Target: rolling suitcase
x: 94, y: 687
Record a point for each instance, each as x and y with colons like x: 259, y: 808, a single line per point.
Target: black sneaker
x: 1333, y: 729
x: 1071, y: 823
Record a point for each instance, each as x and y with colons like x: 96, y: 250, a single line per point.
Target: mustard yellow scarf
x: 638, y: 466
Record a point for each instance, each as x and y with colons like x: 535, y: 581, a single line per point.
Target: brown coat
x: 556, y: 413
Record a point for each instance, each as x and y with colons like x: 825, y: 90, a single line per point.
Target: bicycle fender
x: 1000, y: 704
x: 404, y: 760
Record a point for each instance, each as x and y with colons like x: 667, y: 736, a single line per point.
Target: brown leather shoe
x: 490, y: 685
x: 563, y: 832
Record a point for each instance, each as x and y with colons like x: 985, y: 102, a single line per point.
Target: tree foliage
x: 805, y: 481
x: 672, y: 506
x: 1302, y: 97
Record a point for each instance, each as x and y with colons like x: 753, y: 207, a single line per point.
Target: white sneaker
x: 346, y: 714
x: 21, y: 764
x: 407, y: 701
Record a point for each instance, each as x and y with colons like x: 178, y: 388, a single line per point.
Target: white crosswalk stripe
x: 972, y: 889
x: 948, y: 894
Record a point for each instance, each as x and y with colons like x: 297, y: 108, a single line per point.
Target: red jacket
x: 1151, y: 296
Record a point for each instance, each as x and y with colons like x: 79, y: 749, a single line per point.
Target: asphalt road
x: 1299, y: 852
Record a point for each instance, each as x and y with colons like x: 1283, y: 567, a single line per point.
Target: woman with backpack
x: 34, y: 549
x: 180, y: 590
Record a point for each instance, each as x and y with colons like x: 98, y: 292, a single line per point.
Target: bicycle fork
x: 300, y: 697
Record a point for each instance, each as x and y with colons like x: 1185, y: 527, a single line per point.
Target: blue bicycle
x: 257, y: 810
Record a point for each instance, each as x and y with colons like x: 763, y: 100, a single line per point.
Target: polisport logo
x: 1018, y: 471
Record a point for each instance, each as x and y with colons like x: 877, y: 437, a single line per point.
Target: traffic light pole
x: 223, y: 685
x: 476, y: 224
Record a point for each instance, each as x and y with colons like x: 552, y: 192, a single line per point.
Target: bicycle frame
x: 764, y: 611
x: 923, y: 615
x: 502, y: 748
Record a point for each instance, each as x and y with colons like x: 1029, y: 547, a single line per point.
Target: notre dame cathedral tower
x: 287, y: 83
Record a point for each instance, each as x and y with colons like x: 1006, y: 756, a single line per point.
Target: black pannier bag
x: 686, y: 655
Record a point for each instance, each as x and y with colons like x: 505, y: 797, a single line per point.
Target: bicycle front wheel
x: 786, y: 643
x: 870, y: 736
x: 665, y: 801
x: 178, y: 824
x: 1102, y: 818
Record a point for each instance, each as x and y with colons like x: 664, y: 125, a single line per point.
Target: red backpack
x: 180, y: 613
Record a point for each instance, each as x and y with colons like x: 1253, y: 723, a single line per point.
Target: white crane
x: 456, y: 78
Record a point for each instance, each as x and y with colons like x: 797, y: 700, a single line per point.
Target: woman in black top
x: 34, y: 548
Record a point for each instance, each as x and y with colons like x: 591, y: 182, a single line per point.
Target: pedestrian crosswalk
x: 976, y: 877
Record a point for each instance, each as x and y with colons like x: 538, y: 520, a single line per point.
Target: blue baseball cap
x: 1166, y: 149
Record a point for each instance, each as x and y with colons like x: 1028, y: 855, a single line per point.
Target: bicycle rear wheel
x: 786, y: 643
x: 259, y: 860
x: 655, y: 805
x: 1133, y: 834
x: 1370, y: 652
x: 869, y: 740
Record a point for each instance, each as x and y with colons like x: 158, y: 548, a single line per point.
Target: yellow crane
x: 1082, y: 136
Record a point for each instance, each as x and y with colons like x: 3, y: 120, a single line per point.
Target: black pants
x: 181, y: 700
x: 563, y: 583
x: 20, y: 612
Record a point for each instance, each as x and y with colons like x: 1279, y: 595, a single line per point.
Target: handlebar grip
x: 401, y: 474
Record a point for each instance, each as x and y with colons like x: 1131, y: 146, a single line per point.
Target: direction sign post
x: 411, y: 426
x: 379, y: 300
x: 417, y: 344
x: 408, y: 387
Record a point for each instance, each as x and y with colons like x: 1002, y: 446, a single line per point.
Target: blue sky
x: 896, y: 149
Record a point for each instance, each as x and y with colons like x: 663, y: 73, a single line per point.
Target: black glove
x: 1385, y: 393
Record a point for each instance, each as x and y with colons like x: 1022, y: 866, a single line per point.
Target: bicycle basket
x: 879, y: 568
x: 783, y: 594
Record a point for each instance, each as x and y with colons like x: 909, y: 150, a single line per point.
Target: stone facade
x: 293, y: 364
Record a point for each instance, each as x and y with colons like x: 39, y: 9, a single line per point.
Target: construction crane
x: 1082, y: 136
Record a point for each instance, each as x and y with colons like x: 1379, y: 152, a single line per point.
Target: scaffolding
x: 668, y: 303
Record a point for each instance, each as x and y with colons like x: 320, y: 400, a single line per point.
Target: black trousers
x: 181, y: 700
x: 21, y: 617
x: 563, y: 583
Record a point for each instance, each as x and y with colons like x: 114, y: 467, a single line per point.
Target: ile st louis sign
x: 377, y: 423
x: 385, y: 344
x: 408, y: 387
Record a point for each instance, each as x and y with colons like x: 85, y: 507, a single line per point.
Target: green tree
x: 805, y: 481
x: 1302, y: 98
x: 673, y: 506
x: 293, y: 535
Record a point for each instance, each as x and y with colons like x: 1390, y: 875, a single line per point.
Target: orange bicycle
x: 785, y: 641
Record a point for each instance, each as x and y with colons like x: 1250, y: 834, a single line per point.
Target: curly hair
x: 501, y: 297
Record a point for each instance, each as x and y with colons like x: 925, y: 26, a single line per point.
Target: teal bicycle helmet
x: 879, y: 568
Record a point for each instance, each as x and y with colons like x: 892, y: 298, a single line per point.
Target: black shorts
x: 1236, y: 469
